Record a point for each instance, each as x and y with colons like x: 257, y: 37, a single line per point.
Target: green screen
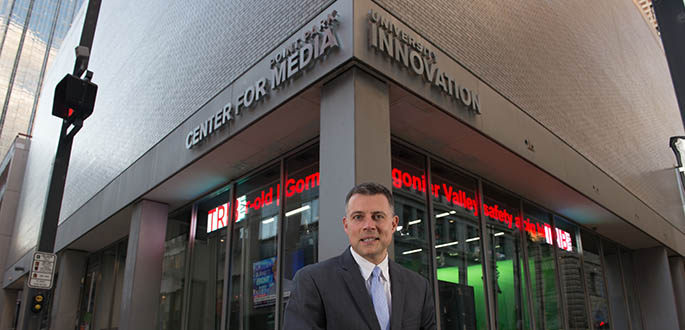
x: 506, y: 298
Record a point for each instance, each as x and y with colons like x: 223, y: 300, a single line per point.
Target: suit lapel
x: 397, y: 290
x: 355, y: 283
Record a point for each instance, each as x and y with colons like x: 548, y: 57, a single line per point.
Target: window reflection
x: 409, y: 191
x: 173, y: 270
x: 458, y: 249
x: 594, y: 281
x: 541, y: 265
x: 502, y: 215
x: 101, y: 290
x: 301, y: 227
x: 254, y: 245
x: 207, y: 263
x: 571, y: 279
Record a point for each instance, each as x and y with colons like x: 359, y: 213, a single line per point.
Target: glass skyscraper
x: 31, y: 32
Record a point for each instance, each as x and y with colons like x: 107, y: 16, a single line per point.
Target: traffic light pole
x: 39, y: 319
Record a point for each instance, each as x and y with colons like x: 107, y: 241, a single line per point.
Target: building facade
x: 532, y: 174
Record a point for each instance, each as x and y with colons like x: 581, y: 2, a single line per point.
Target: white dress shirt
x: 366, y: 268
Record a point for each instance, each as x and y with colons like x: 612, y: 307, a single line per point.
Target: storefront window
x: 617, y: 298
x: 207, y: 262
x: 594, y: 281
x: 101, y: 291
x: 301, y: 227
x: 409, y: 191
x: 458, y: 249
x: 570, y: 266
x: 541, y: 265
x: 173, y: 270
x: 502, y: 215
x: 254, y: 246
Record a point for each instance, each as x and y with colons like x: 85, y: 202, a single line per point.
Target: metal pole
x: 53, y: 203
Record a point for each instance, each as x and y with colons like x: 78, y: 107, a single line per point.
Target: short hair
x: 370, y: 189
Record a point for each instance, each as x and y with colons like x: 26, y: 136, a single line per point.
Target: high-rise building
x: 31, y: 32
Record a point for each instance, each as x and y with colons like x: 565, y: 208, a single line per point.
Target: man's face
x: 370, y: 224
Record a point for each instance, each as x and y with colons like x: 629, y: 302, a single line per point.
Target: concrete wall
x: 155, y: 63
x: 593, y: 73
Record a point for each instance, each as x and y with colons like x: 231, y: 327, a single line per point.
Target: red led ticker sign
x: 217, y: 218
x: 469, y: 203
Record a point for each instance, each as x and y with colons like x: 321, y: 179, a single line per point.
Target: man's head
x: 370, y: 220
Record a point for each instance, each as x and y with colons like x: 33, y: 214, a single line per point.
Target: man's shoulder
x: 322, y: 267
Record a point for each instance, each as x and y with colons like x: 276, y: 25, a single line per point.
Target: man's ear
x: 395, y: 222
x: 344, y: 221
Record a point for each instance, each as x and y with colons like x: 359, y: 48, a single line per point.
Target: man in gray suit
x: 361, y: 288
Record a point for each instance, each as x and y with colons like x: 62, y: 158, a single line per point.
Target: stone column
x: 354, y: 148
x: 143, y: 270
x: 677, y: 265
x: 655, y: 288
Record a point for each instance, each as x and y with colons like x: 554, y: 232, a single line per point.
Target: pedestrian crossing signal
x: 74, y: 98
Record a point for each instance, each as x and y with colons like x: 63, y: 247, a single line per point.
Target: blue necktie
x: 380, y: 301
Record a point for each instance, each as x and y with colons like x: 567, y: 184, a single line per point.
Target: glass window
x: 594, y: 280
x: 101, y: 291
x: 458, y: 249
x: 541, y: 265
x: 301, y: 227
x: 617, y: 297
x: 570, y: 273
x: 207, y: 262
x: 119, y: 283
x: 409, y: 192
x: 631, y: 289
x: 503, y: 218
x: 253, y: 256
x: 173, y: 270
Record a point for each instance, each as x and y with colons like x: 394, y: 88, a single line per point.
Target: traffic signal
x: 74, y: 98
x: 37, y: 303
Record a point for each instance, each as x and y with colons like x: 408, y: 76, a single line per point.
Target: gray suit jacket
x: 332, y: 295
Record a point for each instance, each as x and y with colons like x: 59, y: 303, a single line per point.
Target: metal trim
x: 619, y: 251
x: 581, y: 252
x: 560, y: 292
x: 484, y: 242
x: 189, y: 267
x: 526, y: 270
x: 279, y: 245
x: 431, y: 241
x: 604, y: 278
x: 225, y: 315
